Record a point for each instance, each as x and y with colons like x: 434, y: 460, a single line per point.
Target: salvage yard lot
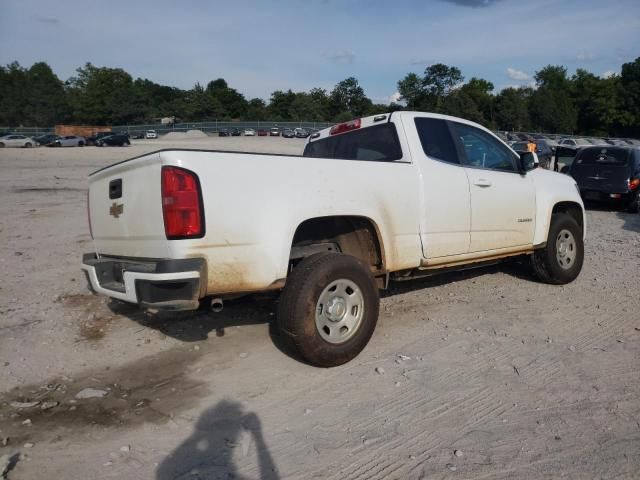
x: 479, y: 374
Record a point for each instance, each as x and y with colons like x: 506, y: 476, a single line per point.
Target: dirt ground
x: 482, y: 374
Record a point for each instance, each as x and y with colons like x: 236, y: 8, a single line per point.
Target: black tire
x: 296, y: 319
x: 1, y: 145
x: 547, y: 267
x: 28, y: 145
x: 634, y: 206
x: 81, y: 144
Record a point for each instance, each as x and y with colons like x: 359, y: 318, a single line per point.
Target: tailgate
x: 125, y: 209
x: 611, y: 179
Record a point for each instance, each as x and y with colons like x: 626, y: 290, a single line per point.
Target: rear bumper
x: 163, y: 284
x: 608, y: 197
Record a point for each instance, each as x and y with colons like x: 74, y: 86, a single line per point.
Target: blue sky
x: 261, y: 46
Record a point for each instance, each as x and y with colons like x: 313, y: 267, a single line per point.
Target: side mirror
x: 527, y: 162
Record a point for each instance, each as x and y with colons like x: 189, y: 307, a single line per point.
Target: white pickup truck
x: 387, y: 197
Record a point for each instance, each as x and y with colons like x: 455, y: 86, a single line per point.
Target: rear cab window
x: 377, y: 143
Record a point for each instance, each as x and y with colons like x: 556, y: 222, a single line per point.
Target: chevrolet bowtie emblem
x: 116, y: 209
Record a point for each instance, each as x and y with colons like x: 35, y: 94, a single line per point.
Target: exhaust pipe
x: 217, y: 305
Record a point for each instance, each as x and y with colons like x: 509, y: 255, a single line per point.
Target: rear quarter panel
x: 254, y: 203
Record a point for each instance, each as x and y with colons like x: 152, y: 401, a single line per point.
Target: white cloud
x: 609, y: 73
x: 585, y: 56
x: 342, y: 56
x: 518, y: 75
x: 394, y: 98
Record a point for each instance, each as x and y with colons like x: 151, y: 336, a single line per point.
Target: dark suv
x: 118, y: 140
x: 609, y: 174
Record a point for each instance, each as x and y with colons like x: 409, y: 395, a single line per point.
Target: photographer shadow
x: 223, y: 432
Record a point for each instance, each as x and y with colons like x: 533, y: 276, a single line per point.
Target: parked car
x: 16, y: 140
x: 288, y: 133
x: 301, y: 133
x: 45, y: 140
x: 597, y: 141
x: 575, y: 142
x: 564, y: 157
x: 632, y: 141
x: 409, y: 196
x: 609, y: 174
x: 69, y: 141
x: 150, y: 134
x: 616, y: 142
x: 274, y: 132
x: 94, y: 138
x: 117, y: 140
x: 138, y: 135
x: 249, y: 132
x: 235, y: 132
x: 223, y: 132
x: 262, y: 132
x: 543, y: 151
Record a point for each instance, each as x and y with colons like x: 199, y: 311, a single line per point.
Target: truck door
x: 445, y: 214
x: 502, y: 199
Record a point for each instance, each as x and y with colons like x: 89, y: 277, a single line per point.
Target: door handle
x: 482, y: 182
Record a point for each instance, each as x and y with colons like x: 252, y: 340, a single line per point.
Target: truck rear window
x: 377, y: 143
x: 603, y: 156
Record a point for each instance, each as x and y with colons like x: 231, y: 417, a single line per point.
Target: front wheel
x: 560, y: 261
x: 329, y: 308
x: 28, y: 145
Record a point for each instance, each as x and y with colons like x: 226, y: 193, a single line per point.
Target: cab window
x: 482, y: 150
x: 436, y: 139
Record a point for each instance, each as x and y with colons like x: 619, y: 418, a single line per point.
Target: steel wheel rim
x: 566, y: 249
x: 339, y: 311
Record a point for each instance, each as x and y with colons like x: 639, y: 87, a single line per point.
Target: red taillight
x: 634, y: 183
x: 345, y: 127
x: 89, y: 214
x: 181, y: 204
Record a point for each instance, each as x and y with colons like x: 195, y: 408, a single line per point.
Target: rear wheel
x: 329, y: 308
x: 28, y: 145
x: 81, y: 144
x: 560, y: 261
x: 634, y: 206
x: 1, y: 145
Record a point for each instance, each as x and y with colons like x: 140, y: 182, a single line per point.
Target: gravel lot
x: 482, y: 374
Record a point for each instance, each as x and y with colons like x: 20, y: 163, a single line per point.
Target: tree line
x: 582, y: 103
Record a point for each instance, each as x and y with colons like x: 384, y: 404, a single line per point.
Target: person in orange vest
x: 531, y: 146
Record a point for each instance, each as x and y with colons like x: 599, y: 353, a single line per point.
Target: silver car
x: 70, y: 141
x: 16, y: 140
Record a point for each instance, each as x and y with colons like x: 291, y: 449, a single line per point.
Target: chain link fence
x: 160, y: 128
x: 216, y: 126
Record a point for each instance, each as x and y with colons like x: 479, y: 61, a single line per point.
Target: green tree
x: 280, y: 105
x: 629, y: 99
x: 233, y: 103
x: 348, y: 96
x: 552, y: 107
x: 256, y: 109
x: 101, y: 95
x: 512, y: 109
x: 13, y: 94
x: 46, y: 100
